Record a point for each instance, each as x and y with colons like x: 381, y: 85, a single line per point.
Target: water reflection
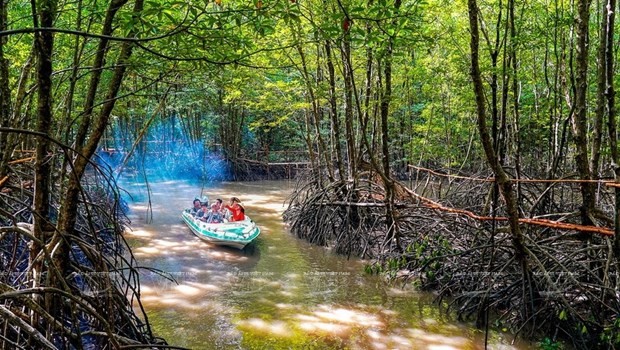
x: 279, y: 292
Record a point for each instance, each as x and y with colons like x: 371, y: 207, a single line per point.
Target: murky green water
x: 279, y: 293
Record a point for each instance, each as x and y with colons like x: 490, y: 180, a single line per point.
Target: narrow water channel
x: 279, y: 293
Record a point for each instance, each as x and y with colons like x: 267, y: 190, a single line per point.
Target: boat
x: 236, y: 234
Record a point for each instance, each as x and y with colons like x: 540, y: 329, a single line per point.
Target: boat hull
x: 236, y: 234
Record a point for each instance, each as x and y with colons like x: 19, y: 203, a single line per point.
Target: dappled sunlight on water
x: 277, y: 328
x: 358, y: 328
x: 186, y: 295
x: 279, y: 292
x: 348, y: 316
x: 139, y: 233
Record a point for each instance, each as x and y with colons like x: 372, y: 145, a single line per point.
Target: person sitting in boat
x: 215, y: 214
x: 236, y: 209
x: 196, y: 208
x: 204, y: 212
x: 218, y: 210
x: 219, y: 204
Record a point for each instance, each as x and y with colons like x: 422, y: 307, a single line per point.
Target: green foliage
x: 389, y: 268
x: 548, y: 344
x: 244, y: 55
x: 611, y: 334
x: 424, y: 254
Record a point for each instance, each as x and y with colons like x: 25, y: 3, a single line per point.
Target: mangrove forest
x: 466, y: 148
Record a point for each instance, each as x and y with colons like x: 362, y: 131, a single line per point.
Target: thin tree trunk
x: 19, y: 99
x: 390, y: 212
x: 515, y: 93
x: 69, y: 207
x: 608, y: 31
x: 44, y: 43
x: 323, y: 154
x: 314, y: 162
x: 365, y: 115
x: 348, y: 106
x: 558, y: 126
x: 97, y: 70
x: 502, y: 179
x: 599, y: 112
x: 66, y: 123
x: 498, y: 122
x: 333, y: 105
x: 42, y: 228
x: 579, y: 117
x: 5, y: 95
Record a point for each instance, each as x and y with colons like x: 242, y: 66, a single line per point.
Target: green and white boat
x: 236, y: 234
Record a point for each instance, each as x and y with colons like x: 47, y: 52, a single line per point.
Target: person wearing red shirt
x: 237, y: 210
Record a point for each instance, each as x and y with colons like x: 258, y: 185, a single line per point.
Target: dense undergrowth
x: 97, y: 305
x: 566, y: 292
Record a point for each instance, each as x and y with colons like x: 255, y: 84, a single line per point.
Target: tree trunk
x: 333, y: 105
x: 393, y: 235
x: 322, y: 148
x: 599, y: 112
x: 97, y: 70
x: 5, y: 95
x: 579, y: 117
x: 69, y: 207
x: 503, y: 181
x: 608, y: 97
x: 64, y: 135
x: 348, y: 106
x: 44, y: 43
x: 515, y: 94
x: 42, y: 228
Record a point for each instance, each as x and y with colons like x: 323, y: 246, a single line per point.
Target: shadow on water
x: 279, y: 292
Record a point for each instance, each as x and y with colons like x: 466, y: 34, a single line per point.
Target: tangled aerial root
x: 97, y: 304
x: 568, y: 289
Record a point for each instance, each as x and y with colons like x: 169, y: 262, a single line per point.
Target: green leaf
x: 562, y: 315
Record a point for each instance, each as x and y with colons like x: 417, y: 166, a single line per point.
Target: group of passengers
x: 218, y: 212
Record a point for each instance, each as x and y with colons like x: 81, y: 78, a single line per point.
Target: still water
x: 278, y: 293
